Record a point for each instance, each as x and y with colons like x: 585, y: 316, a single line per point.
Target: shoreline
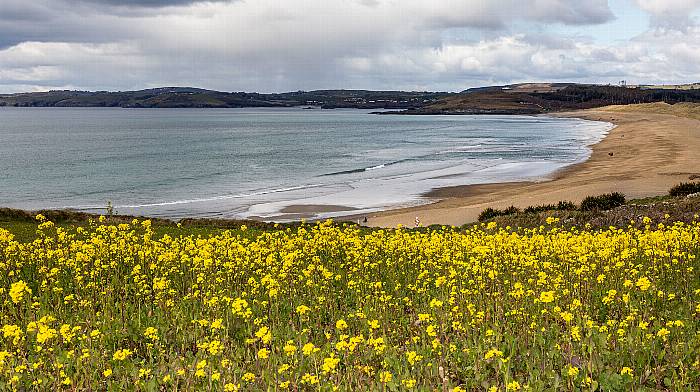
x: 649, y: 150
x: 428, y: 196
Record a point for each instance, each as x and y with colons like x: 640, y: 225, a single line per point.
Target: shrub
x: 685, y: 189
x: 603, y: 202
x: 488, y: 213
x: 561, y: 206
x: 510, y: 211
x: 540, y: 208
x: 566, y: 206
x: 491, y: 213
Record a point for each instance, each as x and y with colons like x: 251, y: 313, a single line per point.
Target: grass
x: 661, y: 209
x: 683, y: 109
x: 23, y: 224
x: 603, y: 211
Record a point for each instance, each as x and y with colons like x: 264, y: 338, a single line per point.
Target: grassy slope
x: 23, y: 225
x: 659, y: 209
x: 691, y: 110
x: 527, y: 99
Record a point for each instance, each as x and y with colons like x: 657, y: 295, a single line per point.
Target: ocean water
x: 256, y: 162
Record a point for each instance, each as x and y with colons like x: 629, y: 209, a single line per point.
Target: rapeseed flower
x: 110, y: 304
x: 18, y: 290
x: 385, y: 376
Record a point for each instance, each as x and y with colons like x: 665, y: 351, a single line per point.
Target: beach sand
x: 652, y: 148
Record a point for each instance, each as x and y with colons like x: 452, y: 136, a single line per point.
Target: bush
x: 685, y: 189
x: 488, y: 213
x: 510, y: 211
x: 561, y: 206
x: 603, y: 202
x: 540, y: 208
x: 566, y: 206
x: 491, y: 213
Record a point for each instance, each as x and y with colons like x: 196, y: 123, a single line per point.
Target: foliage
x: 490, y: 213
x: 685, y: 189
x: 603, y: 202
x: 186, y: 97
x: 315, y: 307
x: 561, y: 206
x: 510, y: 210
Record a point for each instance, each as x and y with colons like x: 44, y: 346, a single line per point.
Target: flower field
x: 324, y: 307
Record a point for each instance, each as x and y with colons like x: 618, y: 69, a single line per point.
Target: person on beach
x: 417, y: 222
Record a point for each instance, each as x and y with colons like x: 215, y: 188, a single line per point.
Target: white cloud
x: 670, y: 13
x: 276, y: 45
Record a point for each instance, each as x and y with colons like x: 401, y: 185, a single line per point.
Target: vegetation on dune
x: 603, y: 202
x: 112, y: 307
x: 658, y: 209
x: 681, y: 109
x: 685, y: 189
x: 561, y: 206
x: 603, y: 211
x: 591, y: 203
x: 490, y: 213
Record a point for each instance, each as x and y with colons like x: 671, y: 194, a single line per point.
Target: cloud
x: 148, y: 3
x: 673, y: 14
x: 571, y: 12
x: 500, y: 14
x: 283, y: 45
x: 60, y: 65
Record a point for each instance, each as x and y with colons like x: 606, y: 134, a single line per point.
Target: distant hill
x: 535, y: 98
x: 525, y: 98
x: 186, y: 97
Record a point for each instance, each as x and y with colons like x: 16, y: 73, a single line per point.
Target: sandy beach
x: 652, y: 148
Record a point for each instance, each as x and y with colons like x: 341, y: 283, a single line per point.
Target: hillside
x: 527, y: 98
x: 536, y: 98
x: 691, y: 110
x: 185, y: 97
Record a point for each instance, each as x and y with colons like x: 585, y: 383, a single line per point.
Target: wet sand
x: 647, y: 152
x: 314, y: 208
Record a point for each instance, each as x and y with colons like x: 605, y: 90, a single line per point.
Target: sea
x: 256, y: 163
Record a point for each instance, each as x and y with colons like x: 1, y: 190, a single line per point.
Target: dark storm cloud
x: 48, y: 20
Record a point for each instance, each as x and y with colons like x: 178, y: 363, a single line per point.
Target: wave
x: 463, y: 149
x: 199, y: 200
x: 366, y: 169
x: 351, y: 171
x: 430, y: 156
x: 375, y: 167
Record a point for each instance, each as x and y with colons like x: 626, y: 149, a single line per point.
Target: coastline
x: 650, y: 149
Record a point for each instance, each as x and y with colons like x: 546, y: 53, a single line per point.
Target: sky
x: 289, y: 45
